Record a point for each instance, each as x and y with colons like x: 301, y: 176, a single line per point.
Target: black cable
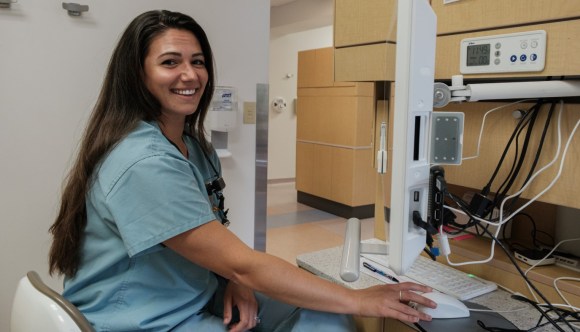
x: 487, y: 187
x: 481, y: 205
x: 514, y: 162
x: 518, y: 131
x: 514, y: 199
x: 538, y: 152
x: 548, y: 304
x: 561, y: 312
x: 465, y: 207
x: 567, y: 312
x: 534, y: 228
x: 513, y: 261
x: 496, y: 329
x: 470, y: 223
x: 500, y: 194
x: 534, y: 233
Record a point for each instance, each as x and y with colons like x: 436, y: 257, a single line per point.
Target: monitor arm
x: 457, y: 92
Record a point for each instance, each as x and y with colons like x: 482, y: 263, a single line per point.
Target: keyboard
x: 440, y: 277
x: 448, y: 280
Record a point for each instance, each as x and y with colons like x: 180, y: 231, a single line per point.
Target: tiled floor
x: 294, y: 228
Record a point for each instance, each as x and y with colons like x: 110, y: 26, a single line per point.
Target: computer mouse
x: 447, y: 306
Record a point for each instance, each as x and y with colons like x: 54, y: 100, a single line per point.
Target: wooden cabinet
x: 364, y: 22
x: 374, y: 62
x: 475, y: 15
x: 334, y: 155
x: 365, y: 35
x: 361, y: 55
x: 563, y: 47
x: 340, y: 175
x: 316, y: 69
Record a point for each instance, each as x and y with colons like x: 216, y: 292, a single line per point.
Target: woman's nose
x: 188, y: 73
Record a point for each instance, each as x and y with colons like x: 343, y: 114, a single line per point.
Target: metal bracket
x: 74, y: 9
x: 6, y: 3
x: 446, y: 138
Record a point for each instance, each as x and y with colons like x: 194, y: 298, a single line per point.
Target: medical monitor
x: 414, y: 80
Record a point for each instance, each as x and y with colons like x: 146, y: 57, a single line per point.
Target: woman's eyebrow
x: 174, y: 53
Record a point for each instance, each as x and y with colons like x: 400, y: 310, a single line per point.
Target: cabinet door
x: 340, y: 120
x: 316, y: 69
x: 492, y: 14
x: 313, y: 162
x: 338, y: 174
x: 562, y: 51
x: 359, y: 22
x: 365, y: 63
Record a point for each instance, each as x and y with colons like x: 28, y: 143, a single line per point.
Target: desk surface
x: 326, y: 263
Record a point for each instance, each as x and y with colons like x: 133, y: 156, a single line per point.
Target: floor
x: 294, y: 228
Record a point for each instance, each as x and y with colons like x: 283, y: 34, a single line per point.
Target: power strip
x: 567, y: 262
x: 534, y: 257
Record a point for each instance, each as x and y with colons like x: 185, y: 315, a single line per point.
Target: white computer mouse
x: 447, y: 306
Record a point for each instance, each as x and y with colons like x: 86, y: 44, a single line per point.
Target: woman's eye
x: 198, y: 62
x: 169, y: 62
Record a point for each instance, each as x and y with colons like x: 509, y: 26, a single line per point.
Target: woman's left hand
x: 243, y: 298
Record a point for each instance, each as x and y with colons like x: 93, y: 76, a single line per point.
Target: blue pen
x: 375, y: 270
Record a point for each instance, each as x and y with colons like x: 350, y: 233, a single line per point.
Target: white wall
x: 51, y: 69
x: 282, y: 126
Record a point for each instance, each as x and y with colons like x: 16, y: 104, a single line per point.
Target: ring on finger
x: 257, y: 319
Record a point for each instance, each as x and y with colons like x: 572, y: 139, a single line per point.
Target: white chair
x: 37, y: 307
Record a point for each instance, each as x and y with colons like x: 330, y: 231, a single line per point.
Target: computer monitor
x: 414, y: 79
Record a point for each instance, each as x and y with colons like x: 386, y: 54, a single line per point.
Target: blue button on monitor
x: 533, y: 57
x: 523, y: 57
x: 513, y: 58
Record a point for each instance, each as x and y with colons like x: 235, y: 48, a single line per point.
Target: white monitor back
x: 414, y: 79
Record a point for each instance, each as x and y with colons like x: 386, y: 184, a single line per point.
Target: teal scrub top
x: 144, y: 192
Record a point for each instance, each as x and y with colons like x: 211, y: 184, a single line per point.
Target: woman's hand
x: 392, y: 301
x: 243, y: 298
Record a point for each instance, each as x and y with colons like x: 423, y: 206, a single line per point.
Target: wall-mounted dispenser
x: 6, y: 3
x: 222, y: 118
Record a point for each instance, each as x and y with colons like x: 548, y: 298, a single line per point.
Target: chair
x: 37, y: 307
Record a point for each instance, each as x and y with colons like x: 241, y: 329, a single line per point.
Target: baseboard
x: 284, y: 180
x: 338, y: 209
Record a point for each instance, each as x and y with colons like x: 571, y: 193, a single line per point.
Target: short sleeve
x: 155, y: 199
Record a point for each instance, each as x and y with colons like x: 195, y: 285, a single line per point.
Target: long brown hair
x: 123, y: 102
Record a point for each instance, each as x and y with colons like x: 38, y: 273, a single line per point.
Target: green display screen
x: 478, y: 55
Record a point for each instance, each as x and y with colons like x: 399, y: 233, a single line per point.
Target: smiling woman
x: 176, y: 76
x: 139, y: 235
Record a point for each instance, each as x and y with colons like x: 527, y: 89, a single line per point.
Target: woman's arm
x: 219, y: 250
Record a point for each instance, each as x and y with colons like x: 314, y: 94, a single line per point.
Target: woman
x: 139, y: 234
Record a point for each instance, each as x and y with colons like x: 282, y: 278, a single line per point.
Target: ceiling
x: 290, y: 16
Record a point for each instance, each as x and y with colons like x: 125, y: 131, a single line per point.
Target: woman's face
x: 175, y: 72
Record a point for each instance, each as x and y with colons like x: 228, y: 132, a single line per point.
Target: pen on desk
x: 375, y: 270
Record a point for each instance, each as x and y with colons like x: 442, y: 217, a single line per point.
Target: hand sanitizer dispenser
x: 222, y: 118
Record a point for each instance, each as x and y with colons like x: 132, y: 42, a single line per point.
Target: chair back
x: 37, y: 307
